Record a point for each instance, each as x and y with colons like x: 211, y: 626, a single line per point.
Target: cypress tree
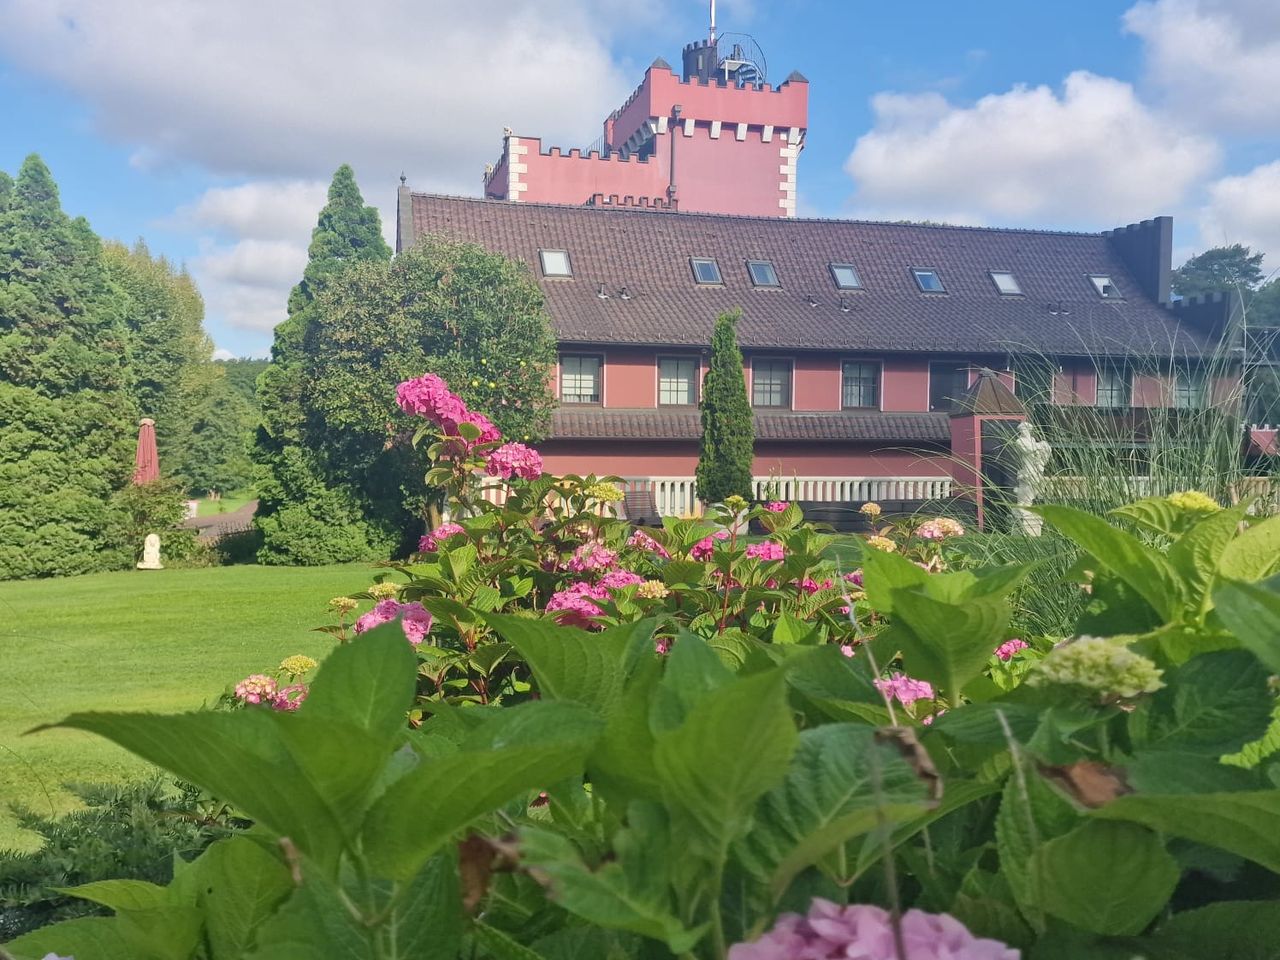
x: 726, y: 451
x: 67, y: 419
x: 293, y: 493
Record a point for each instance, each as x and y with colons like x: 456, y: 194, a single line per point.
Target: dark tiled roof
x: 988, y: 397
x: 649, y: 252
x: 650, y: 424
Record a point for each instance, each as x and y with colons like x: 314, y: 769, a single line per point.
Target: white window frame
x: 1017, y: 287
x: 694, y: 381
x: 1102, y: 280
x: 599, y: 358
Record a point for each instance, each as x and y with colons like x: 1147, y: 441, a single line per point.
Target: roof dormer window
x: 928, y: 281
x: 705, y: 270
x: 845, y: 276
x: 1006, y: 283
x: 1105, y: 286
x: 555, y: 263
x: 762, y: 273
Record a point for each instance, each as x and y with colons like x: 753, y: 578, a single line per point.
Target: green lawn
x: 229, y: 503
x: 165, y: 640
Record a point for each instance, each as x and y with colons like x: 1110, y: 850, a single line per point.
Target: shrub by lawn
x: 165, y: 640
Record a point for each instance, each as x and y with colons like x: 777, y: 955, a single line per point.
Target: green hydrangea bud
x: 1193, y: 501
x: 1102, y: 665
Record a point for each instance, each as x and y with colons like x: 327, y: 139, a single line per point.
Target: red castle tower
x: 717, y: 139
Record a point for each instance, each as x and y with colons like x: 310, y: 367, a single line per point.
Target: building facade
x: 857, y: 336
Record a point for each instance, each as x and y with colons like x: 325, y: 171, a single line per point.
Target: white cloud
x: 1215, y: 63
x: 292, y: 88
x: 247, y: 283
x: 221, y: 354
x: 1092, y: 155
x: 1245, y: 209
x: 277, y: 209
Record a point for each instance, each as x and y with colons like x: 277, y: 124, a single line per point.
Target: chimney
x: 1147, y: 250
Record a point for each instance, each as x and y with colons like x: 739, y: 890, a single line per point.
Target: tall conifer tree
x: 302, y: 517
x: 727, y: 448
x: 67, y: 419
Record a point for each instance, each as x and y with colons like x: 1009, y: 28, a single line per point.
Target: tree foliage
x: 726, y: 451
x: 67, y: 415
x: 1218, y: 269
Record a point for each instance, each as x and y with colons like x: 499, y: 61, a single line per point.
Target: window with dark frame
x: 845, y: 276
x: 1115, y: 388
x: 1006, y: 283
x: 705, y: 270
x: 948, y: 380
x: 771, y: 383
x: 555, y: 263
x: 928, y: 280
x: 1105, y: 286
x: 762, y: 273
x: 677, y: 381
x: 580, y: 378
x: 1190, y: 389
x: 860, y: 385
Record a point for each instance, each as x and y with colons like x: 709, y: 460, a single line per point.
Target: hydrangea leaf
x: 1140, y: 566
x: 1246, y: 823
x: 842, y: 783
x: 944, y: 643
x: 1031, y: 813
x: 1196, y: 555
x: 734, y: 746
x: 524, y: 748
x: 1230, y: 930
x: 1254, y: 554
x: 97, y: 937
x: 240, y: 887
x: 1251, y: 611
x: 367, y: 683
x: 1105, y: 877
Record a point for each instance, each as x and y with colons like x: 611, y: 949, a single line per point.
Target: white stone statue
x: 151, y: 553
x: 1032, y: 457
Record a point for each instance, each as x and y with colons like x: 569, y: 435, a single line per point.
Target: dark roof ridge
x: 635, y: 211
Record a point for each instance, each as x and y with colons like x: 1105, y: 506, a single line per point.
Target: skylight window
x: 555, y: 263
x: 1105, y: 286
x: 928, y: 281
x: 705, y: 270
x: 1006, y: 283
x: 762, y: 273
x: 845, y: 276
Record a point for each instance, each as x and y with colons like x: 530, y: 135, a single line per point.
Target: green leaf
x: 789, y: 630
x: 120, y: 895
x: 843, y: 782
x: 568, y: 663
x: 1251, y: 611
x: 693, y: 670
x: 947, y: 644
x: 629, y: 893
x: 239, y: 757
x: 368, y: 683
x: 734, y: 746
x: 525, y: 748
x: 91, y: 938
x: 883, y: 573
x: 1154, y: 513
x: 1254, y: 554
x: 313, y: 922
x: 841, y: 687
x: 683, y: 573
x: 1248, y: 930
x: 1031, y: 813
x: 1106, y: 877
x: 428, y: 920
x: 621, y: 765
x: 1197, y: 554
x: 499, y: 946
x: 1247, y: 823
x: 1138, y: 565
x: 1212, y: 704
x: 241, y: 886
x: 588, y: 943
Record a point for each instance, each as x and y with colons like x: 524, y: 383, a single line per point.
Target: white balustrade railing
x: 678, y: 496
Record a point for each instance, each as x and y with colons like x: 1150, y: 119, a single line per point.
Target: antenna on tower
x: 713, y: 23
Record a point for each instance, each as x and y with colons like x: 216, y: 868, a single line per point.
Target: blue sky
x: 211, y: 130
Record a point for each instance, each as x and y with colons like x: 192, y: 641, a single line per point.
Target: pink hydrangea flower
x: 864, y: 932
x: 574, y: 606
x: 776, y: 506
x: 415, y: 619
x: 290, y: 698
x: 662, y: 646
x: 703, y: 549
x: 514, y: 459
x: 811, y: 586
x: 592, y: 556
x: 906, y: 690
x: 855, y: 577
x: 766, y: 550
x: 642, y: 541
x: 939, y: 528
x: 1009, y: 648
x: 847, y: 648
x: 431, y: 542
x: 616, y: 579
x: 488, y: 432
x: 256, y: 688
x: 429, y: 396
